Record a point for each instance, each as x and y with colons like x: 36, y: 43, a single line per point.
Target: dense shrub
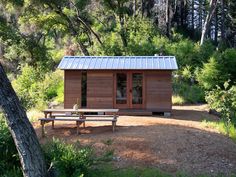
x: 224, y: 101
x: 9, y: 159
x: 210, y: 75
x: 37, y: 89
x: 68, y: 160
x: 228, y: 63
x: 218, y: 69
x: 187, y: 93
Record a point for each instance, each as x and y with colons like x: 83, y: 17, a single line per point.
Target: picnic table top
x: 80, y: 110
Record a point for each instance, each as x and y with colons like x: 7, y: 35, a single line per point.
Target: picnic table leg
x: 43, y: 128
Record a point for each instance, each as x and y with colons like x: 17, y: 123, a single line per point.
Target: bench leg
x: 53, y: 124
x: 77, y: 123
x: 43, y: 128
x: 113, y: 126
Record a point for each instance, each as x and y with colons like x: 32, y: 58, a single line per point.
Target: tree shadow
x: 172, y: 148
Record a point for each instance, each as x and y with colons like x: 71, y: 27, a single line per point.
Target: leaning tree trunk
x: 27, y: 144
x: 213, y: 5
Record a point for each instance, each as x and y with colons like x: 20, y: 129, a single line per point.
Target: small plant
x: 67, y: 159
x: 9, y: 159
x: 108, y: 142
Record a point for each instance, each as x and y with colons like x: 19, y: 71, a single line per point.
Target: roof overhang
x: 118, y: 63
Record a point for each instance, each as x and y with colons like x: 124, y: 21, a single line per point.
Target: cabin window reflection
x: 121, y: 88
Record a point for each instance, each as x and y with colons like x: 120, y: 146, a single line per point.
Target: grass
x: 220, y: 126
x: 178, y: 100
x: 34, y: 114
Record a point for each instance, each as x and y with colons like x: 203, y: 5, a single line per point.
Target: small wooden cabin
x: 134, y: 84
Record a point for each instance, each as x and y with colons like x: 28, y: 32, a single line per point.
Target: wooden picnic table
x: 79, y: 116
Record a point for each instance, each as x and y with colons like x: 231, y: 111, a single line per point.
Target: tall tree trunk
x: 192, y: 16
x: 222, y: 3
x: 134, y: 8
x: 206, y: 27
x: 167, y: 18
x: 27, y: 144
x: 200, y: 15
x: 216, y: 27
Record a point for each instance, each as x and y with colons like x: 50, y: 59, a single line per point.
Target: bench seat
x: 78, y: 120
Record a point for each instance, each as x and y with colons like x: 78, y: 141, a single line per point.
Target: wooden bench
x: 79, y: 120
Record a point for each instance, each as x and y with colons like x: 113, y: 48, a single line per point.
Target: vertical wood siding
x: 99, y: 89
x: 158, y: 90
x: 72, y: 88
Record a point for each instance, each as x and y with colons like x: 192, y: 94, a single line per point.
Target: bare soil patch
x: 179, y: 143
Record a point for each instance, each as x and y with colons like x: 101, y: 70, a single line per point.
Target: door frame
x: 129, y: 104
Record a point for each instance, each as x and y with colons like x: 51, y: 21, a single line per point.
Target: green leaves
x: 224, y: 101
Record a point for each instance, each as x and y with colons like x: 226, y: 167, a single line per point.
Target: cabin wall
x: 72, y: 88
x: 158, y: 91
x: 99, y: 89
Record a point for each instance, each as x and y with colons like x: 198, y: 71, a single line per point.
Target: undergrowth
x: 220, y: 126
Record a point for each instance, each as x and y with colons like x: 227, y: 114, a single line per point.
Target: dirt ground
x: 177, y: 144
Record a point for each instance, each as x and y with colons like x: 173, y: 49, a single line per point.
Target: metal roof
x: 118, y: 63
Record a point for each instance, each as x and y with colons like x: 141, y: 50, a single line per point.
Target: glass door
x: 128, y: 92
x: 137, y: 90
x: 121, y: 90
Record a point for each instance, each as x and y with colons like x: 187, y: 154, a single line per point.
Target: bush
x: 35, y: 89
x: 224, y: 101
x: 210, y: 75
x: 68, y: 160
x: 9, y: 159
x: 178, y: 100
x: 218, y: 69
x: 26, y: 86
x: 188, y: 93
x: 228, y: 63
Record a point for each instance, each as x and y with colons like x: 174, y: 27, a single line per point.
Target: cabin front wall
x: 72, y: 88
x: 100, y: 89
x: 158, y: 91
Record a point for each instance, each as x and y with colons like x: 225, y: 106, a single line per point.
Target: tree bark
x: 27, y: 144
x: 222, y: 20
x: 206, y: 27
x: 167, y: 18
x: 216, y: 28
x: 192, y: 16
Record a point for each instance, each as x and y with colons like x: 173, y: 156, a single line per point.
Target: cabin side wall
x: 158, y: 91
x: 72, y: 88
x: 100, y: 89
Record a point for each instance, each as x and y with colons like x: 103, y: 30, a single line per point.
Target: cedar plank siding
x: 158, y: 91
x: 99, y: 89
x: 72, y: 87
